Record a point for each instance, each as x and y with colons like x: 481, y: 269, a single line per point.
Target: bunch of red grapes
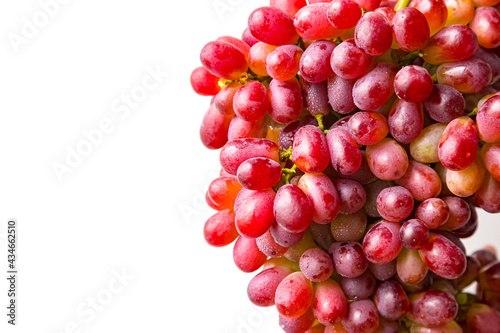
x: 357, y: 139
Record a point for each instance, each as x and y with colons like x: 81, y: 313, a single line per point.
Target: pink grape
x: 312, y: 23
x: 391, y: 300
x: 349, y: 61
x: 444, y: 104
x: 241, y: 129
x: 362, y: 316
x: 224, y: 99
x: 488, y: 196
x: 289, y: 7
x: 238, y: 151
x: 459, y: 144
x: 223, y: 60
x: 421, y: 180
x: 316, y: 265
x: 223, y: 191
x: 453, y: 43
x: 272, y: 26
x: 467, y: 76
x: 315, y: 62
x: 443, y: 257
x: 345, y: 155
x: 248, y: 38
x: 344, y: 14
x: 269, y: 247
x: 414, y: 234
x: 254, y: 215
x: 488, y: 120
x: 251, y: 101
x: 219, y: 230
x: 285, y: 238
x: 315, y: 97
x: 424, y: 148
x: 359, y: 287
x: 410, y: 268
x: 387, y: 159
x: 369, y: 5
x: 383, y: 272
x: 292, y: 209
x: 485, y: 25
x: 294, y: 295
x: 340, y: 94
x: 368, y: 128
x: 434, y: 212
x: 490, y: 154
x: 214, y: 128
x: 262, y: 287
x: 247, y: 256
x: 310, y: 150
x: 352, y: 195
x: 283, y: 62
x: 395, y: 203
x: 286, y: 100
x: 406, y: 121
x: 329, y: 304
x: 413, y: 84
x: 481, y: 317
x: 375, y: 87
x: 491, y: 59
x: 323, y: 197
x: 373, y: 34
x: 435, y: 12
x: 410, y: 29
x: 433, y: 308
x: 259, y: 173
x: 300, y: 324
x: 381, y: 243
x: 204, y: 83
x: 257, y: 58
x: 460, y: 213
x: 348, y: 259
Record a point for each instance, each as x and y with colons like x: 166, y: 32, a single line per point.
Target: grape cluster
x: 357, y: 138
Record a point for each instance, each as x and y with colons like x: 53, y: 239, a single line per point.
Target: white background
x: 134, y: 204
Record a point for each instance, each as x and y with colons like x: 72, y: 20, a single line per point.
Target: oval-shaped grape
x: 459, y: 144
x: 310, y: 149
x: 237, y: 151
x: 223, y: 60
x: 453, y: 43
x: 344, y: 152
x: 286, y: 100
x: 323, y: 196
x: 292, y: 209
x: 272, y: 26
x: 443, y: 257
x: 381, y: 243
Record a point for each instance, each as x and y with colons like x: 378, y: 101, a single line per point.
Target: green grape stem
x: 319, y: 118
x: 473, y: 113
x: 401, y: 4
